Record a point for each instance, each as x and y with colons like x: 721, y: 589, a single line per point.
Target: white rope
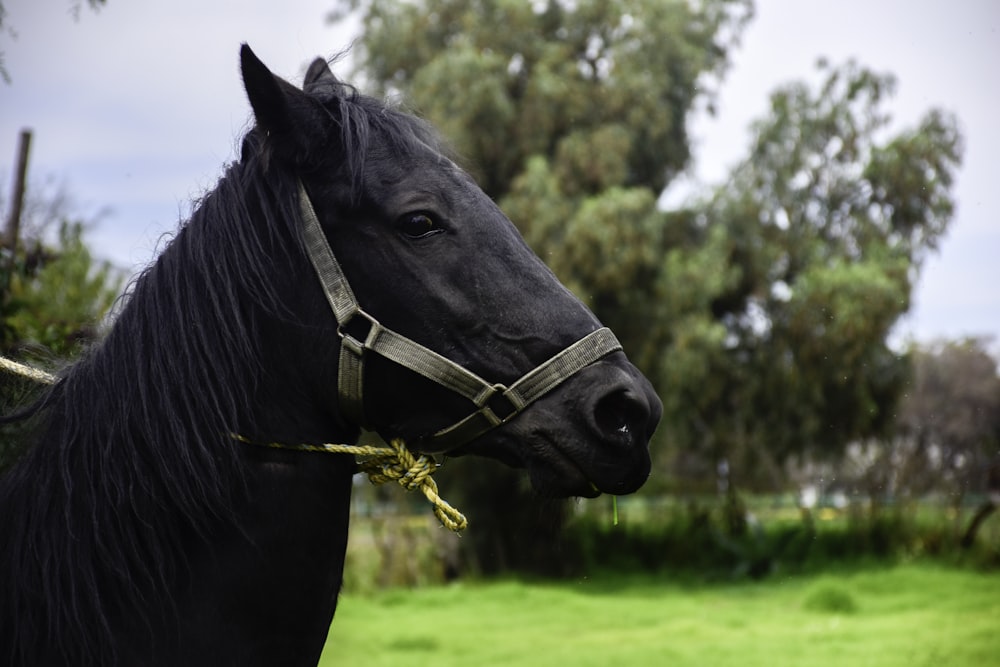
x: 35, y: 374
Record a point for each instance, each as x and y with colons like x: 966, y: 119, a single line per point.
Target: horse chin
x: 559, y: 467
x: 551, y: 483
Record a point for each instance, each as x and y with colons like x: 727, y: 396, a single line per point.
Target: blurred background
x: 785, y: 210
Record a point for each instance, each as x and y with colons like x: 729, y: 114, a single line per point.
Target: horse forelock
x: 366, y: 122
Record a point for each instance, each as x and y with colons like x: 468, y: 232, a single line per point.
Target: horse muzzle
x: 589, y: 436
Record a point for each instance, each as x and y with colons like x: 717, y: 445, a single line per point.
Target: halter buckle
x: 498, y: 406
x: 357, y: 331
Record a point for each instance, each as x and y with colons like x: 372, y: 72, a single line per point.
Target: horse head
x: 431, y: 259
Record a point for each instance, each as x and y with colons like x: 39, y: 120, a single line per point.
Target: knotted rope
x: 382, y: 464
x: 394, y: 463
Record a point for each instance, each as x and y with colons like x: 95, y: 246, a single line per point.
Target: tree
x: 55, y: 293
x: 826, y: 229
x: 572, y: 116
x: 949, y: 419
x: 947, y: 438
x: 761, y: 313
x: 506, y: 81
x: 58, y: 296
x: 53, y: 296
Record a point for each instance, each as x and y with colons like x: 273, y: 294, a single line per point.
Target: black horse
x: 136, y: 530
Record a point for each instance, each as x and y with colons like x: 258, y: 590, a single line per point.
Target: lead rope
x: 394, y: 463
x: 35, y: 374
x: 381, y: 464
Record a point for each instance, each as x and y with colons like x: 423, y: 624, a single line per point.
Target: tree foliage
x: 54, y: 292
x: 949, y: 420
x: 58, y: 296
x: 53, y: 297
x: 827, y: 222
x: 945, y: 440
x: 507, y: 80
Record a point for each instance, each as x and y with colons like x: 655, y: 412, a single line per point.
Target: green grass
x: 910, y: 616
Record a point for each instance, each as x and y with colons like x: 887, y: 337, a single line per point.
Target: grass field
x: 907, y: 616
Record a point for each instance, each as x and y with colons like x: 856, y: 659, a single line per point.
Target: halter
x: 359, y: 332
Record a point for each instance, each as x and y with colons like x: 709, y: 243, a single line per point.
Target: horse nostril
x: 621, y: 414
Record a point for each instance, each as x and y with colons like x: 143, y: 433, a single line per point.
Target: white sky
x: 136, y: 109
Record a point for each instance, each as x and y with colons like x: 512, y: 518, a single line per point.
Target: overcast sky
x: 136, y: 108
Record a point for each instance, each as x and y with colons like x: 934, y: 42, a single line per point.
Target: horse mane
x: 132, y: 457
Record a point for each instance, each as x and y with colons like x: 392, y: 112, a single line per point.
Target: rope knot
x: 401, y: 466
x: 398, y: 464
x: 394, y: 463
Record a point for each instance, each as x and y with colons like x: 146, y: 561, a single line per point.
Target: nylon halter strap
x: 360, y: 332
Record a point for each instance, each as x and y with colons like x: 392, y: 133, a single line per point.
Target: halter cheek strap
x: 360, y: 332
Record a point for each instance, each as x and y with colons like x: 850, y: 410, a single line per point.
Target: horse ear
x: 284, y: 112
x: 319, y: 71
x: 321, y: 83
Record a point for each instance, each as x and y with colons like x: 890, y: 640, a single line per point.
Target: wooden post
x: 17, y: 196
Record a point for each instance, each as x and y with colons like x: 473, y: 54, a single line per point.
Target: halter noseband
x: 496, y: 403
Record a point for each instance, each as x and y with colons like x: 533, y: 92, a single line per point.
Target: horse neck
x: 266, y: 594
x: 155, y: 527
x: 271, y: 572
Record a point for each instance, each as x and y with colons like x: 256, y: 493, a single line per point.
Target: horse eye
x: 417, y: 225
